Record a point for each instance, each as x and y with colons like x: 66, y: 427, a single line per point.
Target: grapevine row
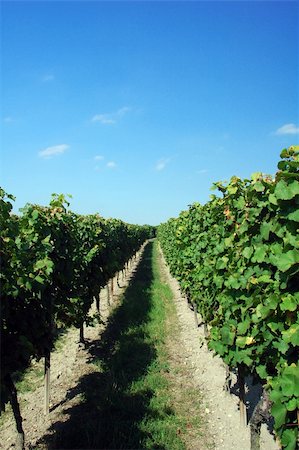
x: 53, y: 264
x: 237, y: 258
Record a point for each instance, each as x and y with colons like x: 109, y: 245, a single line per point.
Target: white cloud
x: 161, y: 164
x: 111, y: 118
x: 122, y: 111
x: 98, y: 158
x: 53, y: 151
x: 104, y: 119
x: 288, y: 128
x: 202, y: 171
x: 111, y: 165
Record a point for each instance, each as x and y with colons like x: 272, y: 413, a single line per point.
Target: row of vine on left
x: 53, y: 264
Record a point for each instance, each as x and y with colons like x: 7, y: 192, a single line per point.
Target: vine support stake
x: 205, y: 330
x: 98, y: 302
x: 241, y: 382
x: 228, y: 379
x: 47, y: 380
x: 108, y: 294
x: 261, y: 413
x: 13, y: 398
x: 112, y: 289
x: 81, y: 333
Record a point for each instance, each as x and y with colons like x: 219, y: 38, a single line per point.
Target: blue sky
x: 136, y: 108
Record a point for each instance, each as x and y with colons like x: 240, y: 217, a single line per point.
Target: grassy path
x: 136, y: 393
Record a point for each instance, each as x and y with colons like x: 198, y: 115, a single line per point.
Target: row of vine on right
x: 237, y: 258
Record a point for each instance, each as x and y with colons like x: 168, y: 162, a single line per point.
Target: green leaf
x: 265, y: 230
x: 247, y: 252
x: 262, y: 372
x: 35, y: 214
x: 281, y: 346
x: 289, y: 439
x: 39, y: 279
x: 243, y: 341
x: 286, y: 260
x: 289, y: 303
x: 247, y: 360
x: 292, y: 404
x: 227, y: 335
x: 263, y: 311
x: 258, y: 186
x: 240, y: 203
x: 292, y: 334
x: 273, y: 199
x: 289, y: 381
x: 279, y: 412
x: 259, y: 254
x: 218, y: 347
x: 243, y: 326
x: 276, y: 396
x: 287, y: 191
x: 294, y: 216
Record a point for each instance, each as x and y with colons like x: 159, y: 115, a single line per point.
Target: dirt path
x: 208, y: 373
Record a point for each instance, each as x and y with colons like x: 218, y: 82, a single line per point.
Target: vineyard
x: 53, y: 265
x: 237, y: 260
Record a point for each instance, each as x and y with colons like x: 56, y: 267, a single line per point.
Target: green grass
x: 129, y: 400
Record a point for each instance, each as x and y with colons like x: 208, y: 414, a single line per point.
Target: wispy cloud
x: 161, y: 164
x: 98, y: 158
x: 8, y: 119
x: 288, y: 128
x: 104, y: 119
x: 122, y: 111
x: 111, y: 118
x: 48, y: 77
x: 53, y: 151
x: 111, y: 165
x: 202, y: 171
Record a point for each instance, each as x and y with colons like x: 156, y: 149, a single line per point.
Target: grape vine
x: 53, y: 264
x: 237, y: 257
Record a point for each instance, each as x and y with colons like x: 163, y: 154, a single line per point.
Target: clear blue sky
x: 136, y: 108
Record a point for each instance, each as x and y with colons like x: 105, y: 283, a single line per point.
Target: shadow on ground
x: 109, y: 415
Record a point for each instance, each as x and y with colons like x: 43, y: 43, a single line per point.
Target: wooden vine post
x: 108, y: 294
x: 112, y: 288
x: 260, y: 414
x: 47, y: 368
x: 241, y: 382
x: 98, y: 302
x: 81, y: 333
x: 47, y: 381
